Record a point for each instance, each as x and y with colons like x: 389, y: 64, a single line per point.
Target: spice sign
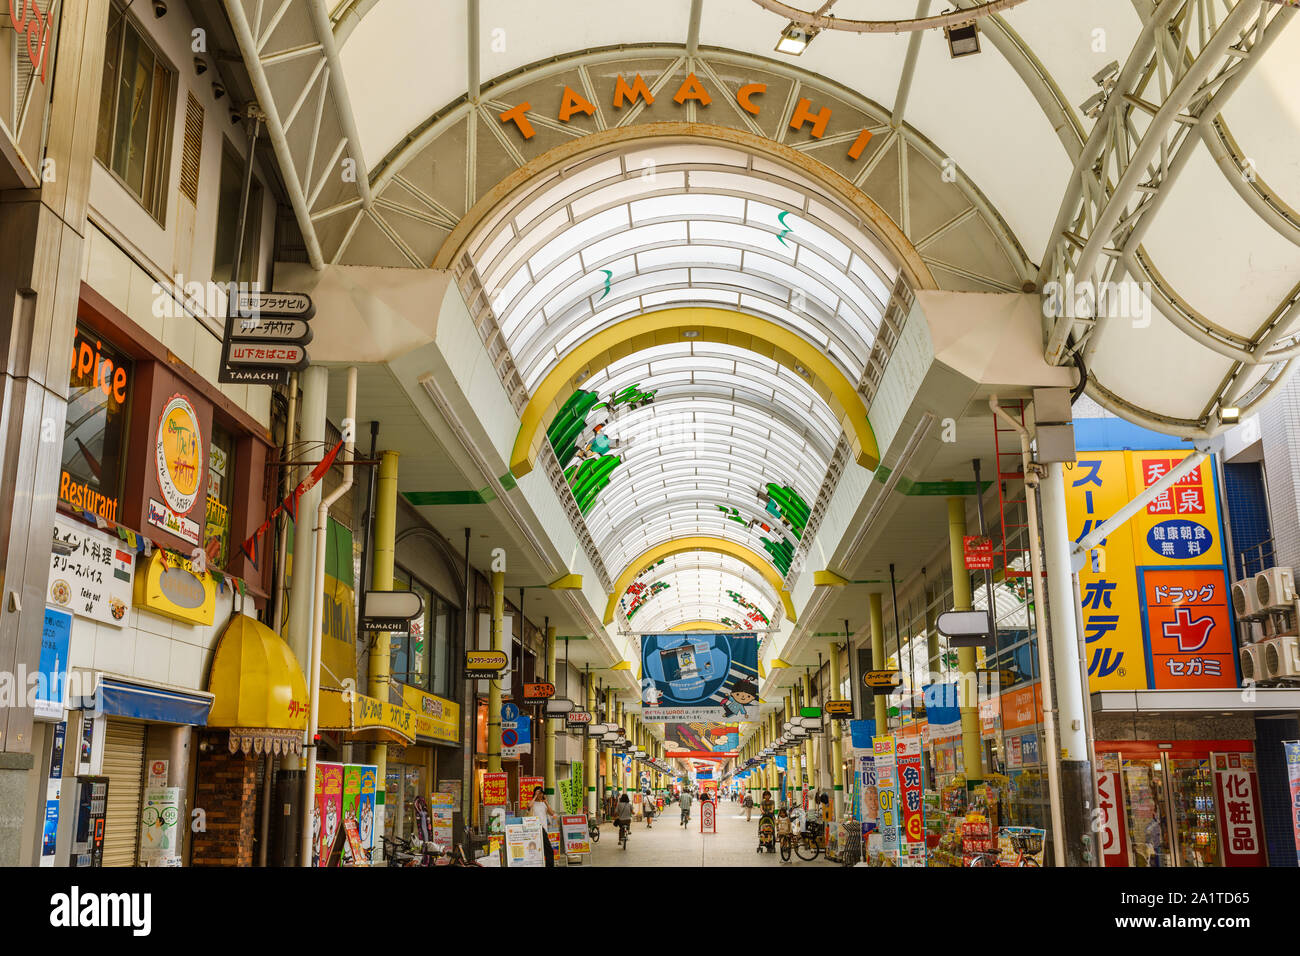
x: 95, y: 580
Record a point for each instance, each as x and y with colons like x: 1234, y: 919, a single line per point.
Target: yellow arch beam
x: 700, y: 543
x: 699, y: 626
x: 727, y: 326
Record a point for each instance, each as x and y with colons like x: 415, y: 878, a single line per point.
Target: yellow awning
x: 256, y: 682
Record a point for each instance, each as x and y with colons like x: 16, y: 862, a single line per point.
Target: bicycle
x: 623, y: 830
x: 593, y: 829
x: 786, y: 841
x: 809, y: 841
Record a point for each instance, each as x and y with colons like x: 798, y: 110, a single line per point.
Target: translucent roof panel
x: 694, y: 591
x: 697, y: 458
x: 677, y: 225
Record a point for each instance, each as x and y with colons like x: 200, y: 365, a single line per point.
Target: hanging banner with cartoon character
x: 701, y: 740
x: 327, y: 814
x: 699, y: 677
x: 359, y: 805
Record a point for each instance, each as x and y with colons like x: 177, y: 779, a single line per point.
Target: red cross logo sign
x: 1191, y: 635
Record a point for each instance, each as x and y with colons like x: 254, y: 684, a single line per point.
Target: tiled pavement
x: 668, y: 844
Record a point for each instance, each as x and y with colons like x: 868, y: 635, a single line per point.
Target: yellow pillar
x: 878, y: 659
x: 971, y: 747
x: 590, y: 768
x: 622, y: 773
x: 494, y: 686
x: 810, y: 752
x: 611, y: 716
x: 381, y: 579
x: 837, y: 740
x: 772, y: 781
x: 793, y: 770
x: 548, y: 768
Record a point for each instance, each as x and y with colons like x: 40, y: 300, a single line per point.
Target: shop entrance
x: 1179, y: 803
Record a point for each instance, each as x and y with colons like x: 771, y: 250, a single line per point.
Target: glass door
x: 1146, y: 812
x: 1196, y: 824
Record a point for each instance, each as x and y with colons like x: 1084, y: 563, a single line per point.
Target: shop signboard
x: 1291, y: 749
x: 576, y: 837
x: 977, y: 552
x: 159, y: 813
x: 1096, y: 486
x: 887, y: 793
x: 439, y: 717
x: 573, y: 801
x: 168, y: 584
x: 327, y: 814
x: 1239, y: 818
x: 1189, y: 638
x: 265, y: 337
x: 1021, y: 707
x: 865, y: 778
x: 1181, y: 525
x: 705, y: 676
x: 1029, y: 750
x: 95, y: 579
x: 526, y: 787
x: 495, y: 790
x: 911, y: 784
x: 1110, y: 820
x: 537, y: 693
x: 52, y: 678
x: 524, y: 843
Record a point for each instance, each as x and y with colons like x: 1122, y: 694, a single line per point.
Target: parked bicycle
x: 593, y: 829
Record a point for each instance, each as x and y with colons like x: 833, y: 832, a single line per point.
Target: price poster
x: 576, y: 837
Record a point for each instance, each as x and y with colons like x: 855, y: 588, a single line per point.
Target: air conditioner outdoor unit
x: 1281, y: 658
x: 1274, y: 588
x: 1252, y: 665
x: 1243, y: 599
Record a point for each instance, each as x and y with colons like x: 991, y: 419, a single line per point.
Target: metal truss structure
x: 1191, y: 57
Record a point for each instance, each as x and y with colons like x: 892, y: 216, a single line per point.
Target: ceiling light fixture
x: 1230, y: 415
x: 794, y: 39
x: 963, y: 39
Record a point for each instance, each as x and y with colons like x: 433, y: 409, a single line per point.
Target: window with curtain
x: 133, y: 138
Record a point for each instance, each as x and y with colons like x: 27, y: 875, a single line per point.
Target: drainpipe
x: 1051, y: 752
x: 494, y: 686
x: 548, y: 768
x: 318, y: 612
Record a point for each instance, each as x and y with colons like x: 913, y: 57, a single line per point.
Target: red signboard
x: 1111, y: 820
x: 911, y: 783
x: 978, y: 551
x: 1240, y: 827
x: 496, y: 791
x: 1188, y: 628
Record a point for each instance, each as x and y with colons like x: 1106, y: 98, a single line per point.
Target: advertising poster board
x: 52, y: 679
x: 887, y: 794
x: 524, y: 843
x: 865, y: 772
x: 575, y: 835
x: 526, y: 786
x: 159, y: 814
x: 911, y: 781
x: 1240, y: 825
x: 1188, y: 628
x: 327, y: 815
x: 359, y: 805
x: 495, y: 789
x: 1291, y: 749
x: 704, y: 676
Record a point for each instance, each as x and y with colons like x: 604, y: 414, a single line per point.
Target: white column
x: 1071, y: 698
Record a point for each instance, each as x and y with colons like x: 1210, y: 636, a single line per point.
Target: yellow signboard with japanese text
x: 1179, y: 528
x: 438, y: 717
x: 1096, y: 486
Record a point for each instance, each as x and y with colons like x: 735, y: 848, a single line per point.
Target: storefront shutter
x: 124, y: 767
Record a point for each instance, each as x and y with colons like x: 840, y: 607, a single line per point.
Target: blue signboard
x: 1180, y: 538
x: 1029, y: 749
x: 52, y: 681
